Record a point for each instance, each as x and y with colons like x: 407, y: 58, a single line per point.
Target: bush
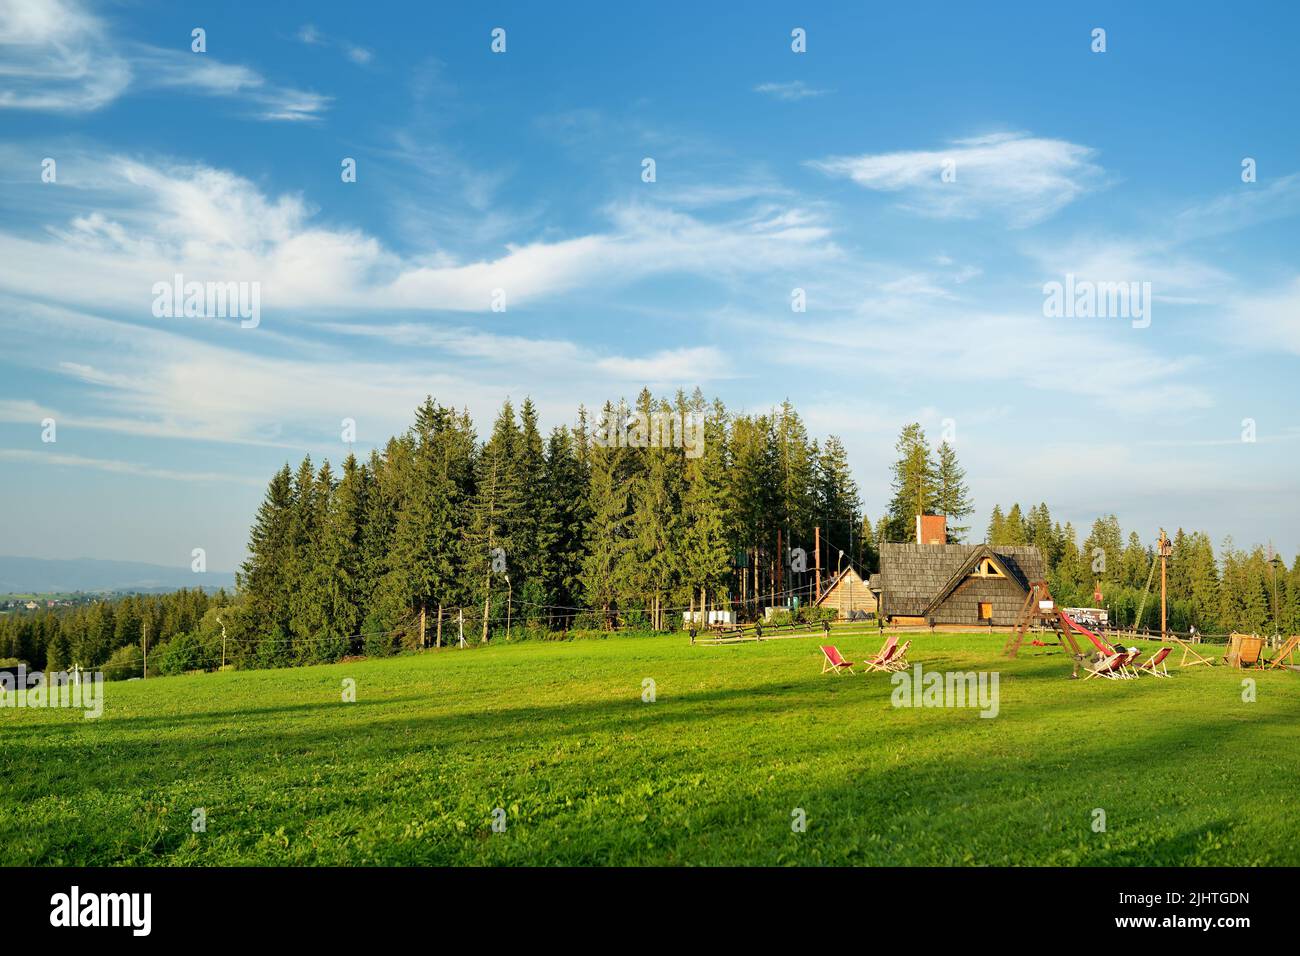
x: 124, y: 663
x: 182, y: 653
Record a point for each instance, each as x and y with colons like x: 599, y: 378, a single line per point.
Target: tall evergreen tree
x: 915, y: 483
x: 952, y: 494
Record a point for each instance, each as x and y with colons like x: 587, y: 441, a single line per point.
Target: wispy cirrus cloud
x: 118, y: 467
x: 791, y: 91
x: 57, y: 56
x: 1016, y: 177
x: 158, y: 219
x: 311, y: 36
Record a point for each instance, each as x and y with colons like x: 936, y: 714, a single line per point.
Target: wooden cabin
x: 955, y: 583
x: 848, y: 594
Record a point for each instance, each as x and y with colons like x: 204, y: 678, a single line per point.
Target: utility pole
x: 1166, y: 548
x: 817, y: 561
x: 780, y: 567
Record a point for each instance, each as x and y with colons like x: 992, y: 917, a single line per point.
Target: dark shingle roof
x: 913, y: 575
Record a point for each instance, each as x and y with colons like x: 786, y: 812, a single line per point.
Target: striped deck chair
x: 1106, y: 667
x: 832, y: 661
x: 881, y: 661
x: 1155, y: 664
x: 899, y: 661
x: 1127, y: 670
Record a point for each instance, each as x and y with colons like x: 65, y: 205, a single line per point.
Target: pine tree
x: 1015, y: 531
x: 952, y: 494
x: 608, y: 536
x: 341, y: 555
x: 915, y: 483
x: 706, y: 557
x: 566, y: 487
x: 838, y: 502
x: 996, y: 534
x: 263, y: 579
x: 494, y: 515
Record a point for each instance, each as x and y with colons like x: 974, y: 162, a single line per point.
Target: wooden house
x: 955, y: 583
x: 848, y: 594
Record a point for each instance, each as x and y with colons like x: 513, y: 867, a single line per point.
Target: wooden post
x: 817, y: 562
x: 144, y: 673
x: 462, y: 626
x: 509, y: 598
x: 421, y: 624
x: 438, y: 639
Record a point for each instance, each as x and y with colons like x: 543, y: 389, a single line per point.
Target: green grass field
x: 711, y: 772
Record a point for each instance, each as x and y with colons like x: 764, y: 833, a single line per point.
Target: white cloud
x: 1013, y: 176
x: 791, y: 91
x: 122, y: 467
x: 209, y: 225
x: 1267, y: 321
x: 311, y: 36
x: 56, y: 56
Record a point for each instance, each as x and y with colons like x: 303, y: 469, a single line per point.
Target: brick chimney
x: 931, y: 529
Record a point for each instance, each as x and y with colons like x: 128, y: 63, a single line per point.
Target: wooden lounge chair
x: 1155, y: 664
x: 833, y: 661
x: 881, y: 661
x: 899, y: 661
x: 1279, y: 659
x: 1195, y: 658
x: 1243, y: 651
x: 1106, y: 667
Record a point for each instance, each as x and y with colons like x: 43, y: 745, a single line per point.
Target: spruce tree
x: 952, y: 494
x: 915, y: 483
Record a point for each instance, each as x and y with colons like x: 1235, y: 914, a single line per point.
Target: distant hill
x: 40, y: 576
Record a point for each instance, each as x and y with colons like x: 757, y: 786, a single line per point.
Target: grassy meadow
x: 711, y: 772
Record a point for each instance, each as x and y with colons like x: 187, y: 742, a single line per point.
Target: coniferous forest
x: 443, y: 535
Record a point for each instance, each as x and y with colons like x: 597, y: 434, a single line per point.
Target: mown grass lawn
x: 557, y: 735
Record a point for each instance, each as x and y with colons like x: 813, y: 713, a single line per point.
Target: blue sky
x: 522, y: 171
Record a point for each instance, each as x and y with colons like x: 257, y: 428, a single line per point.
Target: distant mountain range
x: 40, y: 576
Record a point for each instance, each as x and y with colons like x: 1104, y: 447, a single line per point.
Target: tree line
x: 1246, y: 591
x: 439, y: 534
x: 601, y: 524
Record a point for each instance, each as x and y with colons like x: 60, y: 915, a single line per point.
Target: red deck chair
x: 881, y: 661
x: 1106, y: 667
x: 1155, y: 664
x: 899, y: 661
x: 1126, y: 668
x: 833, y: 661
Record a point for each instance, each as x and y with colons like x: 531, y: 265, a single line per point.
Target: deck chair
x: 832, y: 661
x: 881, y: 661
x: 1289, y: 648
x: 1155, y: 664
x: 1195, y: 658
x: 1105, y: 667
x: 1128, y: 669
x: 899, y: 661
x: 1244, y: 651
